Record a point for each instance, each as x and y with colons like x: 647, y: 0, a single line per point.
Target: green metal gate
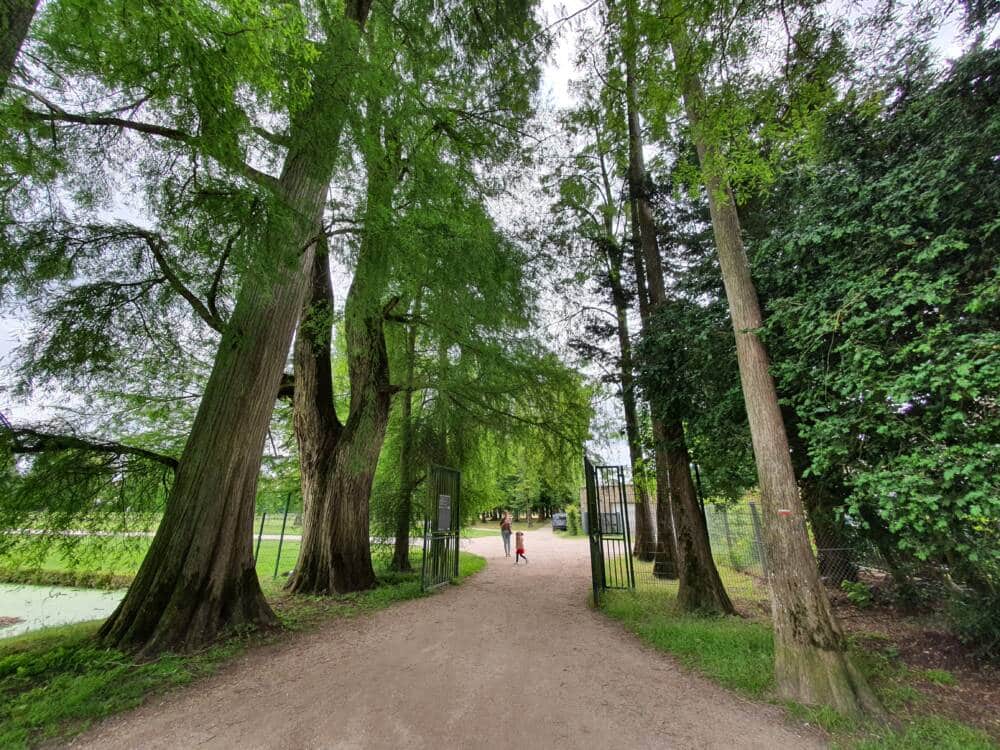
x: 608, y: 529
x: 441, y: 527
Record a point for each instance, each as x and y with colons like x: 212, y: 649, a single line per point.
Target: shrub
x: 975, y: 617
x: 572, y: 520
x: 859, y: 594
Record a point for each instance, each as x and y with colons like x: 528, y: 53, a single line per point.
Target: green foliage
x: 975, y: 617
x: 859, y: 594
x: 931, y: 732
x: 940, y: 677
x: 573, y: 520
x: 881, y: 284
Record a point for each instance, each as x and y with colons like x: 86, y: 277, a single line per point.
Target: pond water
x: 43, y: 606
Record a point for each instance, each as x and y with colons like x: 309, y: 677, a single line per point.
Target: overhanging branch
x: 28, y: 441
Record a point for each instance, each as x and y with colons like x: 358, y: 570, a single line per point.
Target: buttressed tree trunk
x: 15, y: 19
x: 198, y: 578
x: 700, y: 587
x: 335, y: 554
x: 811, y: 661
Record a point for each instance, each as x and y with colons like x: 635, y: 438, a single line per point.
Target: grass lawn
x: 94, y: 562
x: 739, y: 654
x: 56, y: 682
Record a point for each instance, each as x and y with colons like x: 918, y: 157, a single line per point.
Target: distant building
x: 629, y: 505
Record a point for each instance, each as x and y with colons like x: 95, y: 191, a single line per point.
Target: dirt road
x: 512, y: 659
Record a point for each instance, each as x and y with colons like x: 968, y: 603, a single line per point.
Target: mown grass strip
x: 739, y: 654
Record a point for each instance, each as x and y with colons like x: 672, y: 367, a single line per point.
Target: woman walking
x: 505, y: 532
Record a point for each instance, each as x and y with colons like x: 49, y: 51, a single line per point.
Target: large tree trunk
x: 665, y: 555
x: 15, y: 19
x: 317, y: 428
x: 811, y: 661
x: 700, y: 587
x: 198, y: 578
x: 335, y: 554
x: 401, y: 553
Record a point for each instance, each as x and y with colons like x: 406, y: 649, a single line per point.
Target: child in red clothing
x: 519, y: 547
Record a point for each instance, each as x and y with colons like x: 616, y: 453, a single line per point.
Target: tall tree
x: 700, y: 587
x: 811, y: 661
x: 198, y: 577
x: 396, y: 141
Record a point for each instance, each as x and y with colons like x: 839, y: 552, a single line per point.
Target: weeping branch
x: 58, y: 114
x: 27, y: 441
x: 156, y: 246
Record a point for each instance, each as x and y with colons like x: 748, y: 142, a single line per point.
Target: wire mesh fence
x: 736, y: 537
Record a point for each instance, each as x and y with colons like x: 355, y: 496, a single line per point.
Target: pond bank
x: 43, y: 606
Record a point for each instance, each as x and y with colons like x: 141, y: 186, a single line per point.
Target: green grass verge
x: 92, y: 562
x: 57, y: 682
x: 739, y: 654
x: 478, y: 532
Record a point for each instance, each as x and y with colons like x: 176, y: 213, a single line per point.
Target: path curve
x: 512, y: 659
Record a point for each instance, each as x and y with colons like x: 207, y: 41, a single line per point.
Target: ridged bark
x: 335, y: 554
x: 15, y: 20
x: 198, y: 577
x: 811, y: 661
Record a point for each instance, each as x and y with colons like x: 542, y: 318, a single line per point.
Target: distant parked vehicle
x: 559, y: 522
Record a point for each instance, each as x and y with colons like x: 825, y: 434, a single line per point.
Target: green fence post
x: 260, y: 534
x: 281, y: 539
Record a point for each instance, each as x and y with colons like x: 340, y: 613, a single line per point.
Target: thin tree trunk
x: 700, y: 587
x: 401, y: 555
x: 198, y: 577
x: 15, y: 20
x: 644, y: 547
x: 665, y: 556
x: 822, y: 495
x: 811, y: 661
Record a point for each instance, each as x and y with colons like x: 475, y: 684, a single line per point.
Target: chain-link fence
x: 736, y: 537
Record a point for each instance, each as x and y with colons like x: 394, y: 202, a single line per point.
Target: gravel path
x: 511, y: 659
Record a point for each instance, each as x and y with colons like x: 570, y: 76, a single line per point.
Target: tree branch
x: 29, y: 441
x: 57, y: 114
x: 156, y: 244
x: 213, y: 291
x: 274, y: 138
